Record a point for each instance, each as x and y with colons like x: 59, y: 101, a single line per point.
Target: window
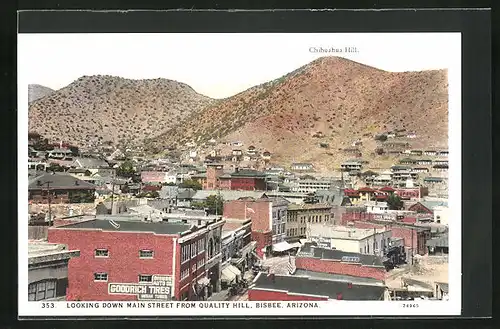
x: 360, y: 250
x: 283, y: 228
x: 185, y: 253
x: 193, y: 249
x: 201, y: 245
x: 101, y: 253
x: 145, y: 253
x: 100, y: 276
x: 42, y: 290
x: 145, y: 278
x: 201, y: 263
x: 185, y: 274
x: 51, y: 289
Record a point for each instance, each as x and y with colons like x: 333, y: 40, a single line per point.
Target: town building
x: 48, y: 270
x: 414, y: 237
x: 248, y: 180
x: 274, y: 287
x: 238, y: 250
x: 125, y: 259
x: 312, y: 185
x: 268, y: 216
x: 351, y: 165
x: 60, y: 188
x: 312, y: 257
x: 301, y: 167
x: 351, y: 239
x: 299, y: 215
x: 157, y: 177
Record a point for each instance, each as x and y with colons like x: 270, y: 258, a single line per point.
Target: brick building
x: 120, y: 260
x: 268, y: 216
x: 273, y: 287
x: 248, y: 180
x: 312, y: 258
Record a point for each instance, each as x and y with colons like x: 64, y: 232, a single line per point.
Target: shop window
x: 145, y: 278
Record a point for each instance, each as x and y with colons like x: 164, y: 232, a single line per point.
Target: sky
x: 218, y: 65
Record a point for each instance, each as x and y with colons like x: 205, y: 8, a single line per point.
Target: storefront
x: 230, y: 275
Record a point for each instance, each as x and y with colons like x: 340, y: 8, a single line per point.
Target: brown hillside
x: 341, y: 99
x: 106, y: 108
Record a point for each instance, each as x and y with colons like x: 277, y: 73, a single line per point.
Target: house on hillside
x: 60, y: 188
x: 302, y: 167
x: 266, y: 155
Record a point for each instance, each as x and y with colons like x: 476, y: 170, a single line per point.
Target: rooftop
x: 338, y: 277
x: 318, y: 287
x: 323, y: 253
x: 130, y: 226
x: 248, y: 173
x: 59, y: 181
x: 341, y: 232
x: 309, y: 206
x: 228, y: 195
x: 41, y: 251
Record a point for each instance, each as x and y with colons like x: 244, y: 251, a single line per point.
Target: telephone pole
x: 112, y: 192
x: 49, y: 198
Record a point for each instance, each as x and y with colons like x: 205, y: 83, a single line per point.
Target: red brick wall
x: 267, y: 295
x: 337, y: 267
x: 260, y: 219
x: 409, y: 193
x: 122, y: 266
x: 225, y: 184
x: 186, y: 283
x: 418, y: 207
x: 212, y: 174
x: 263, y: 239
x: 248, y: 184
x: 355, y: 216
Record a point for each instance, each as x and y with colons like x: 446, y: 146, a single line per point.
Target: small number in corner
x: 48, y: 305
x: 411, y: 305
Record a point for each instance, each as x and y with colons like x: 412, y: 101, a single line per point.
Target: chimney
x: 349, y: 285
x: 339, y: 296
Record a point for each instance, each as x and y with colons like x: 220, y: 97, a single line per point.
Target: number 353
x: 48, y: 305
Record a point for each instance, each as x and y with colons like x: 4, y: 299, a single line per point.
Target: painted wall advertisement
x: 160, y: 288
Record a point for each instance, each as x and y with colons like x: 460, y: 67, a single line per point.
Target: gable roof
x: 90, y: 163
x: 59, y: 181
x: 228, y: 195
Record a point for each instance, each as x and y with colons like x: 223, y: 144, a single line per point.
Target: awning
x: 302, y: 241
x: 295, y: 245
x: 204, y: 281
x: 282, y: 246
x: 229, y: 273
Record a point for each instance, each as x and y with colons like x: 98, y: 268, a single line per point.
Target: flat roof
x: 42, y: 251
x: 318, y: 287
x: 342, y: 232
x: 130, y: 226
x: 336, y: 254
x: 339, y: 277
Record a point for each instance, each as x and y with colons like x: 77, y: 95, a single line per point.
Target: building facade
x: 248, y: 180
x: 48, y: 270
x: 125, y: 260
x: 299, y: 215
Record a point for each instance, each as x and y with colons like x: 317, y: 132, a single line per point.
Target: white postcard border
x: 331, y: 308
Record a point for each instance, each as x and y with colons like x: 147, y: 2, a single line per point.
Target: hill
x: 100, y: 108
x: 318, y: 112
x: 36, y: 92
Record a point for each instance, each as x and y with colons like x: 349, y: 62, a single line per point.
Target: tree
x: 126, y: 169
x: 214, y: 204
x: 394, y: 202
x: 190, y: 183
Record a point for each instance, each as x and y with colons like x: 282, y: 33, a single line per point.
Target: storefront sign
x: 350, y: 259
x: 158, y: 289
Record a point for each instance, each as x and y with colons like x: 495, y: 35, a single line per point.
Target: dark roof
x: 338, y: 277
x: 310, y: 286
x: 248, y: 173
x: 78, y: 170
x: 323, y: 253
x: 131, y: 226
x: 59, y: 181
